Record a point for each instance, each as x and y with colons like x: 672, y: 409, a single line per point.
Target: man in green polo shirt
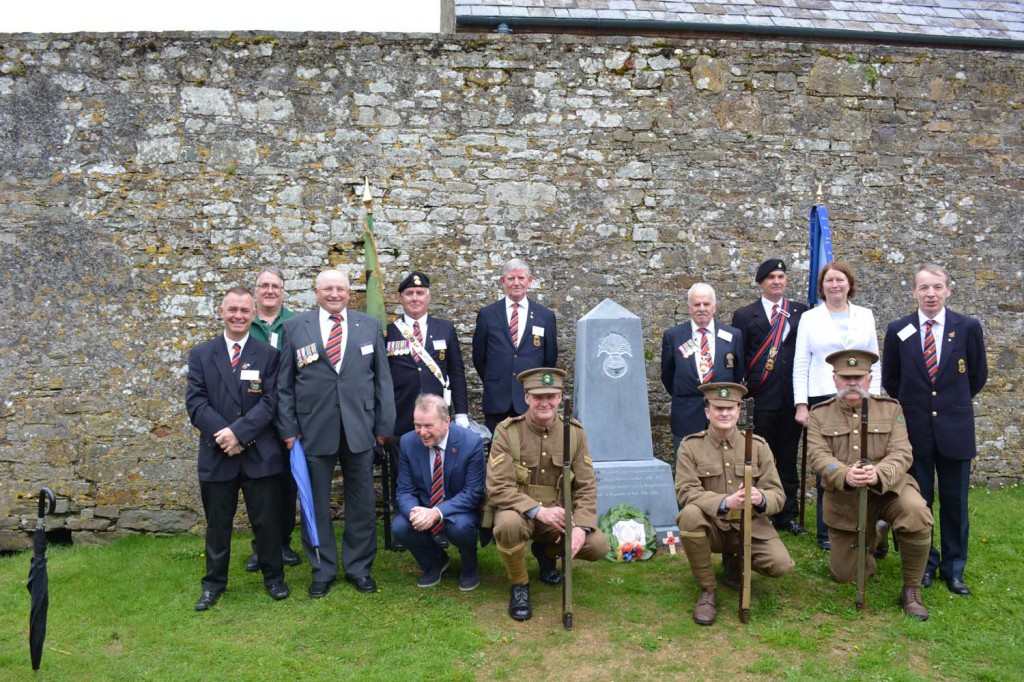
x: 266, y: 326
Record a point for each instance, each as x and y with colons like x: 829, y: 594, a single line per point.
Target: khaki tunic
x: 708, y: 470
x: 833, y: 447
x: 540, y: 451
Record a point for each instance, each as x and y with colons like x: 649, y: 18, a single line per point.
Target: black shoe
x: 289, y: 558
x: 278, y: 591
x: 319, y: 590
x: 432, y: 576
x: 207, y: 599
x: 469, y: 579
x: 825, y: 545
x: 252, y: 564
x: 363, y: 583
x: 397, y: 547
x: 791, y: 527
x: 548, y: 568
x: 882, y: 531
x: 926, y: 580
x: 957, y: 586
x: 441, y: 540
x: 519, y: 604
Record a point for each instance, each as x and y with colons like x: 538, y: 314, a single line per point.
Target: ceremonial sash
x: 425, y: 358
x: 771, y: 346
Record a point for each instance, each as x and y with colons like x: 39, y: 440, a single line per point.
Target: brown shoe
x: 910, y: 600
x: 705, y: 611
x: 732, y: 574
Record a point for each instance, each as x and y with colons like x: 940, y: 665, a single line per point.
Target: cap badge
x: 723, y: 392
x: 547, y: 379
x: 851, y: 361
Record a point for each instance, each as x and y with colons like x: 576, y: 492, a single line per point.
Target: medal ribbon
x: 773, y: 341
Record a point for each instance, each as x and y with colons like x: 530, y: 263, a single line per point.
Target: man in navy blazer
x: 335, y: 394
x: 697, y: 352
x: 768, y: 350
x: 231, y: 398
x: 440, y: 492
x: 511, y: 336
x: 936, y: 391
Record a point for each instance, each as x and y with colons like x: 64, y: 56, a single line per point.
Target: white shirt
x: 938, y: 322
x: 231, y: 344
x: 423, y: 326
x: 523, y: 310
x: 768, y: 305
x: 326, y: 323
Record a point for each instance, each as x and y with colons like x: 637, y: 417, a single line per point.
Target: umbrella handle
x: 47, y: 502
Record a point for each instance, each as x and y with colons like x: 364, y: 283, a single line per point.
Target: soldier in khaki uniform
x: 709, y: 489
x: 833, y: 446
x: 526, y: 494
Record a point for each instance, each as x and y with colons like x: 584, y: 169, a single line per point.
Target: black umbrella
x: 38, y: 580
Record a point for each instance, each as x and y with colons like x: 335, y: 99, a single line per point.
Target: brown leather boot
x: 706, y: 610
x: 910, y: 600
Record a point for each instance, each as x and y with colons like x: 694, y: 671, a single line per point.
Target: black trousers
x: 782, y: 432
x: 263, y: 503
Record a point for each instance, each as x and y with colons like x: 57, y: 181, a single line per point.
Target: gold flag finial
x: 819, y: 192
x: 367, y: 196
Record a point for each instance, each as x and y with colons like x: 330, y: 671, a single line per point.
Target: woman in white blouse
x: 833, y: 325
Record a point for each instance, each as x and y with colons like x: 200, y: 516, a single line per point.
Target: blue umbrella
x: 300, y: 472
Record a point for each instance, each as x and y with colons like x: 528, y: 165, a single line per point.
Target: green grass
x: 124, y: 612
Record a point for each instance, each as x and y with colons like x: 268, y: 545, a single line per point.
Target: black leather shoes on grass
x: 278, y: 591
x: 519, y: 604
x: 319, y: 590
x: 363, y: 583
x: 207, y: 599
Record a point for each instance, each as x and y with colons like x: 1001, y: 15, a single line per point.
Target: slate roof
x: 944, y: 20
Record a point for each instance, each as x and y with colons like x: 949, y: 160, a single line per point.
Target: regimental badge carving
x: 615, y: 346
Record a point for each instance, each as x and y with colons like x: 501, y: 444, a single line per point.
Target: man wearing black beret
x: 769, y: 332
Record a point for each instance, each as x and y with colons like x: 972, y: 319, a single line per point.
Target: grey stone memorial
x: 611, y: 402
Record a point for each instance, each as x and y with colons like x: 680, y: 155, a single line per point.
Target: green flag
x: 374, y: 277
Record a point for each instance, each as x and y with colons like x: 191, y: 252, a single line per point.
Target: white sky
x: 70, y: 16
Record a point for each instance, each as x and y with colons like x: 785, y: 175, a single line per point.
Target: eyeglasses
x: 267, y: 286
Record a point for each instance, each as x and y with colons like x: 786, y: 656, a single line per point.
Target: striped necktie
x: 513, y: 325
x: 707, y: 365
x: 236, y: 353
x: 334, y: 341
x: 437, y: 487
x: 418, y: 334
x: 931, y: 359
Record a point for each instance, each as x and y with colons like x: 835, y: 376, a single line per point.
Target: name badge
x: 538, y: 331
x: 366, y: 348
x: 906, y: 332
x: 440, y: 344
x: 273, y: 339
x: 724, y: 335
x: 250, y: 375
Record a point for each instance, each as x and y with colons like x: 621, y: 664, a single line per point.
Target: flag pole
x: 374, y: 279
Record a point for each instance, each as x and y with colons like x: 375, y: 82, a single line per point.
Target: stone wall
x: 142, y: 175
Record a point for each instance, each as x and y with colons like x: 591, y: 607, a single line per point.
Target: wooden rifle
x: 746, y: 521
x: 567, y: 505
x: 862, y: 508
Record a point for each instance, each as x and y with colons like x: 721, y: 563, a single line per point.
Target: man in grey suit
x: 335, y: 394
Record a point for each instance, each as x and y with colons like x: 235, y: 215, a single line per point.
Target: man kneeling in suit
x: 440, y: 492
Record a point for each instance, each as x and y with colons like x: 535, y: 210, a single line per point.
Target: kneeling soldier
x: 709, y: 489
x: 833, y: 447
x: 524, y: 487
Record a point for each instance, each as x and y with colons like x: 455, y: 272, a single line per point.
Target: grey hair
x: 427, y: 400
x: 516, y: 264
x: 701, y: 288
x: 933, y: 269
x: 276, y: 272
x: 332, y: 271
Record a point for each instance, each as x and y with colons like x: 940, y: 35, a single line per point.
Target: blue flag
x: 820, y: 250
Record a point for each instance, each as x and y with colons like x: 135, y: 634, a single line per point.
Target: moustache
x: 852, y: 389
